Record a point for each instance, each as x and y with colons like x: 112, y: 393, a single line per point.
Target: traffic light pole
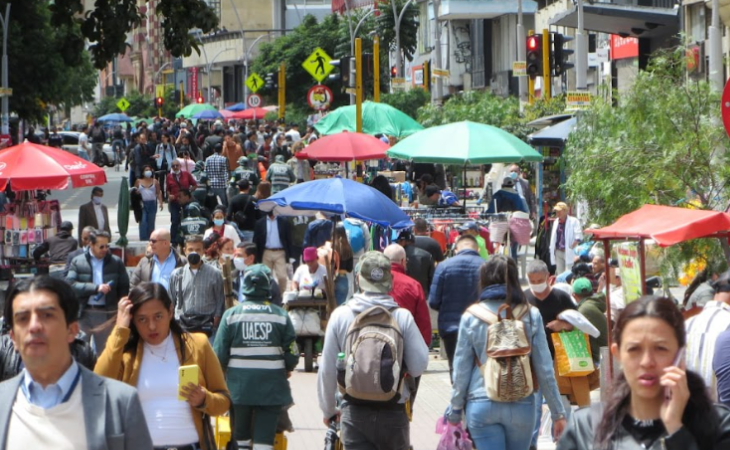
x: 546, y: 81
x: 521, y: 56
x: 530, y: 82
x: 182, y: 96
x: 282, y: 91
x: 376, y: 68
x: 581, y: 52
x: 358, y: 94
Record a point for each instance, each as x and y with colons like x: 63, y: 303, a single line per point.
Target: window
x: 424, y: 28
x: 216, y: 6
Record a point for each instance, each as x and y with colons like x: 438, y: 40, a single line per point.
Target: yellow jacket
x: 115, y: 363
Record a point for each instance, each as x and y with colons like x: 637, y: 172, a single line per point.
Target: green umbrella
x: 123, y: 213
x: 464, y: 143
x: 376, y: 118
x: 193, y: 108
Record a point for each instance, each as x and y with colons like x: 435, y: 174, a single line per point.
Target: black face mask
x: 193, y: 258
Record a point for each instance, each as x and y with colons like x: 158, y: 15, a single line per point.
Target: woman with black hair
x: 146, y: 349
x: 655, y: 403
x: 383, y: 185
x: 495, y: 424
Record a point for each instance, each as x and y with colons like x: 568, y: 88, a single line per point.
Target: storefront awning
x: 554, y: 136
x: 637, y: 21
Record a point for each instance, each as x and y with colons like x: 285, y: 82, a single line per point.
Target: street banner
x: 577, y: 99
x: 628, y: 263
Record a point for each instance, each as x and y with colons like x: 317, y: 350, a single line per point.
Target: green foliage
x: 140, y: 105
x: 385, y: 25
x: 407, y: 101
x: 482, y: 107
x: 106, y: 26
x: 662, y: 143
x: 44, y: 68
x: 293, y: 49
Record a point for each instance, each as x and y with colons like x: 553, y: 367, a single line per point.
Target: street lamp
x: 398, y: 59
x: 5, y: 107
x: 209, y: 67
x: 246, y: 57
x: 157, y: 74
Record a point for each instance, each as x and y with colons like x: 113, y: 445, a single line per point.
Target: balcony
x: 635, y: 18
x: 482, y: 9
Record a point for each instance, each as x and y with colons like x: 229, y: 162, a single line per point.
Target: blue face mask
x: 513, y: 175
x: 218, y: 222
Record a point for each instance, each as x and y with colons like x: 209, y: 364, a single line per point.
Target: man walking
x: 158, y: 266
x: 100, y: 280
x: 280, y: 175
x: 55, y: 402
x: 216, y: 167
x: 242, y: 210
x: 420, y: 265
x: 272, y: 236
x: 94, y: 214
x: 369, y: 425
x: 424, y: 241
x: 244, y: 256
x: 408, y: 292
x: 58, y: 246
x: 455, y: 286
x: 177, y: 181
x: 565, y: 235
x: 522, y: 187
x: 196, y: 290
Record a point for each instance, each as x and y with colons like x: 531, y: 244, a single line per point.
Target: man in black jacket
x: 242, y: 210
x: 272, y: 236
x: 99, y: 280
x: 58, y: 246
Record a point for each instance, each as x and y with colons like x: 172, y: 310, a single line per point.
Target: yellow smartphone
x: 187, y: 374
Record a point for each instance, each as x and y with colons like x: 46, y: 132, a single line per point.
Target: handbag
x: 453, y: 437
x: 209, y: 435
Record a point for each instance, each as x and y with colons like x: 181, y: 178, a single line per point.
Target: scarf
x: 499, y: 292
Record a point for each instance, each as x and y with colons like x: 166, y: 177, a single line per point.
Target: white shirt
x: 702, y: 332
x: 169, y: 420
x: 307, y: 280
x: 272, y: 234
x: 295, y: 136
x: 99, y: 216
x: 83, y: 141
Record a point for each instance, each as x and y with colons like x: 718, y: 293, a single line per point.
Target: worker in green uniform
x: 254, y: 345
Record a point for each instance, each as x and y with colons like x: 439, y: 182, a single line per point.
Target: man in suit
x: 80, y: 409
x: 272, y: 236
x: 94, y: 213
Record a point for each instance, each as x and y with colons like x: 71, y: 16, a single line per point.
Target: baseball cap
x: 66, y: 225
x: 471, y: 225
x: 309, y: 254
x: 406, y: 235
x: 257, y: 282
x: 508, y: 182
x: 374, y: 273
x: 582, y: 286
x: 560, y: 206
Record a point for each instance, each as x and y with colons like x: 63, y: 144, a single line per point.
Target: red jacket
x: 408, y: 294
x: 187, y: 181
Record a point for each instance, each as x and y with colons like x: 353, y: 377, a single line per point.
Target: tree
x: 42, y: 69
x: 408, y: 101
x: 106, y: 26
x: 385, y: 25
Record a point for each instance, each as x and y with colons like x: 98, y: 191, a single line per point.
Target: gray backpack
x: 374, y: 358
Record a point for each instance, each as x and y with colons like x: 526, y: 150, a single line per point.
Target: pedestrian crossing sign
x: 318, y: 64
x: 123, y: 104
x: 254, y: 82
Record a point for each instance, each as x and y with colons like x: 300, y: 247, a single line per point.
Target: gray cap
x: 374, y: 273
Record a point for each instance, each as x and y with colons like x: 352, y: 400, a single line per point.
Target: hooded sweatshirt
x: 415, y: 351
x: 594, y: 309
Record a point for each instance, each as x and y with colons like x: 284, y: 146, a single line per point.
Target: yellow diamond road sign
x: 122, y: 104
x: 318, y: 64
x: 254, y: 82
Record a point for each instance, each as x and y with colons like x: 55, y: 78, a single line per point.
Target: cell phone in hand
x: 187, y: 374
x: 677, y: 360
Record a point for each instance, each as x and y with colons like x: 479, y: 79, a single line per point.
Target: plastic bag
x: 453, y: 437
x: 306, y: 321
x: 573, y: 353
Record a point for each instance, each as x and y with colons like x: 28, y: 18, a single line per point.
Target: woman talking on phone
x: 656, y: 403
x: 146, y: 349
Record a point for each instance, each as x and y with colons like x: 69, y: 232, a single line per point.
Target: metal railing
x: 668, y: 4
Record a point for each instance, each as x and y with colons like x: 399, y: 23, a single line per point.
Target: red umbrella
x: 30, y: 166
x: 346, y: 146
x: 250, y: 113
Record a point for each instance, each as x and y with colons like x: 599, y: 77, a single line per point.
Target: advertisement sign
x: 577, y: 99
x: 194, y: 82
x: 624, y: 47
x: 519, y: 69
x: 629, y: 270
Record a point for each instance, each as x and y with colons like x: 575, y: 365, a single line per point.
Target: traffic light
x: 200, y: 97
x: 559, y: 55
x: 534, y: 56
x: 271, y: 80
x: 345, y: 65
x: 393, y: 71
x: 159, y: 102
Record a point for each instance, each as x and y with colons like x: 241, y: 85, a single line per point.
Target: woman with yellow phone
x: 149, y: 350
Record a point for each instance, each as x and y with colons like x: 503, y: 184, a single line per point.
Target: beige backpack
x: 507, y: 371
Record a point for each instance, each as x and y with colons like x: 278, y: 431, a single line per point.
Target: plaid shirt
x: 216, y: 167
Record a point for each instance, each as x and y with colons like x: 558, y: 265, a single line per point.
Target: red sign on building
x: 194, y: 82
x: 624, y: 47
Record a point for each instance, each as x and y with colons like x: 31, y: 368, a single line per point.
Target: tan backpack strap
x: 519, y: 312
x: 482, y: 313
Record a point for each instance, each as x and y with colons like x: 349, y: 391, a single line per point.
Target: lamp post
x: 246, y: 56
x: 209, y: 68
x: 398, y: 57
x: 5, y: 107
x: 716, y: 78
x: 157, y: 74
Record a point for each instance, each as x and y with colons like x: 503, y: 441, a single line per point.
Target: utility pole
x: 438, y: 93
x: 282, y: 91
x: 546, y: 80
x: 521, y: 54
x: 182, y: 96
x: 358, y: 98
x: 376, y: 68
x: 717, y: 80
x: 581, y: 53
x: 5, y: 106
x: 398, y: 17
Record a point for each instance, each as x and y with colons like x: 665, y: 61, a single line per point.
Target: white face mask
x: 239, y: 263
x: 538, y: 288
x: 227, y: 256
x: 96, y: 200
x: 147, y: 174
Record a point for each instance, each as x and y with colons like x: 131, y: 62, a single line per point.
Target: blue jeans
x: 221, y: 192
x: 501, y: 426
x: 342, y: 286
x: 175, y: 221
x: 147, y: 225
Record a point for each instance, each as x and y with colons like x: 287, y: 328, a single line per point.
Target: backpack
x: 354, y: 235
x: 374, y: 358
x: 507, y: 371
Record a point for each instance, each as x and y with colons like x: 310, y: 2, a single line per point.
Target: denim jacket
x: 468, y: 379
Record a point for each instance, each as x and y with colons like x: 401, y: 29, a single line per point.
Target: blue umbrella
x: 337, y: 196
x: 114, y: 117
x: 207, y: 115
x: 237, y: 107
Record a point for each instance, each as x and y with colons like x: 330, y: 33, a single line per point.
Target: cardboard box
x: 398, y: 176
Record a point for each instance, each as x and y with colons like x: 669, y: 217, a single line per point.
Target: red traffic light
x: 393, y: 72
x: 160, y: 101
x: 200, y: 99
x: 533, y: 43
